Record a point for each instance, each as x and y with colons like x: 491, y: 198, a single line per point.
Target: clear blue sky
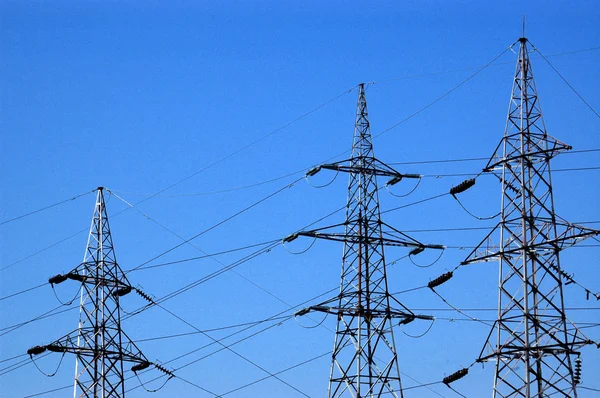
x: 137, y: 96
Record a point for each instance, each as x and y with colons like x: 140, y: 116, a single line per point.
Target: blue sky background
x: 138, y: 96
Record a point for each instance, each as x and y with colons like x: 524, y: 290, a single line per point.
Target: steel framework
x: 100, y: 345
x: 364, y: 359
x: 535, y: 344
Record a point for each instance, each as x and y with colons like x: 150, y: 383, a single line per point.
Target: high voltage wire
x: 274, y: 317
x: 46, y: 208
x: 477, y: 67
x: 218, y: 224
x: 284, y: 177
x: 567, y: 83
x: 233, y: 351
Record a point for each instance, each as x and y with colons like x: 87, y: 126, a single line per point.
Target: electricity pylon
x: 535, y: 344
x: 364, y: 359
x: 100, y: 345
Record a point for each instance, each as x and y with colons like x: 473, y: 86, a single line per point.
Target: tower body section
x: 533, y: 344
x: 99, y: 369
x: 365, y: 362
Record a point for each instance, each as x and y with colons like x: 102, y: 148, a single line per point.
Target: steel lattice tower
x: 99, y: 343
x: 364, y: 359
x: 534, y: 343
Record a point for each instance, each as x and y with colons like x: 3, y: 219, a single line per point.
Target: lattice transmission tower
x: 532, y: 343
x: 364, y: 359
x: 99, y: 344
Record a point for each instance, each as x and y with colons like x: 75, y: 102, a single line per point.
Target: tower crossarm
x: 368, y: 166
x: 568, y: 235
x: 127, y: 351
x: 389, y: 236
x: 538, y: 152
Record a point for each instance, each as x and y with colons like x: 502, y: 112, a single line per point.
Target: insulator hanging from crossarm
x: 440, y: 279
x: 463, y: 186
x: 455, y: 376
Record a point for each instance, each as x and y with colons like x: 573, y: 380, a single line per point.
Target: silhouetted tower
x: 101, y: 347
x: 534, y: 343
x: 364, y: 359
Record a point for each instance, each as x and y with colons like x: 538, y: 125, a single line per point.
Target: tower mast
x: 534, y: 344
x: 364, y: 359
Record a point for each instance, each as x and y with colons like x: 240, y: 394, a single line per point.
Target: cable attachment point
x: 455, y: 376
x: 123, y: 291
x: 140, y: 366
x: 416, y: 250
x: 408, y: 319
x: 56, y: 279
x: 55, y: 348
x: 290, y: 238
x: 38, y: 349
x: 303, y: 311
x: 394, y: 180
x: 463, y: 186
x: 313, y: 171
x: 440, y: 279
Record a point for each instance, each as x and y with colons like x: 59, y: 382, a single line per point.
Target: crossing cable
x: 470, y: 174
x: 23, y: 291
x: 476, y: 67
x: 202, y: 251
x: 565, y: 80
x: 218, y: 224
x: 445, y: 94
x: 199, y: 171
x: 8, y: 329
x: 254, y: 323
x: 232, y: 350
x: 276, y: 373
x: 234, y: 189
x: 235, y: 333
x: 46, y: 208
x: 211, y: 165
x: 208, y: 255
x: 303, y: 170
x: 189, y: 286
x: 457, y: 160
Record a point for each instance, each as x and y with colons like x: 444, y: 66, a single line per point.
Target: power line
x: 567, y: 83
x: 218, y: 224
x: 443, y: 95
x: 232, y: 350
x: 254, y: 323
x: 22, y: 291
x: 476, y: 67
x: 46, y: 208
x: 276, y: 373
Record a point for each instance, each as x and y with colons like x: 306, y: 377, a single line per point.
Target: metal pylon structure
x: 534, y: 344
x: 364, y: 359
x: 99, y: 344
